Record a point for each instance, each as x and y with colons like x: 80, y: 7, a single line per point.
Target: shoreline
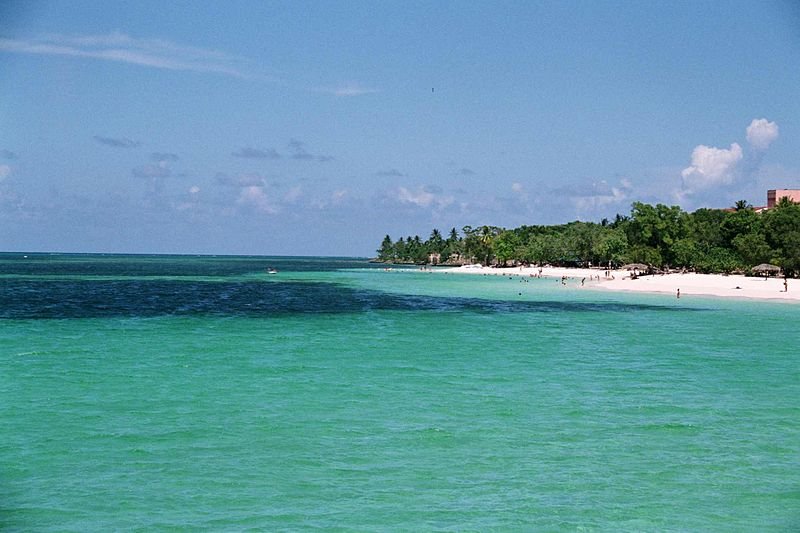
x: 689, y: 284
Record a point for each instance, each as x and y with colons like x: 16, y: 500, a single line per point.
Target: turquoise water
x: 200, y: 393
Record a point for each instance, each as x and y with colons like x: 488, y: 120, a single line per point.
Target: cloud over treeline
x: 761, y: 133
x: 713, y: 168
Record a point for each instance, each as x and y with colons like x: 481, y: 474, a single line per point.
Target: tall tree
x: 435, y: 243
x: 739, y: 222
x: 657, y: 227
x: 782, y: 232
x: 386, y: 252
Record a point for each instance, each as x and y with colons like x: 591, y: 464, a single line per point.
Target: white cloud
x: 240, y: 180
x: 159, y: 170
x: 192, y: 201
x: 599, y: 195
x: 520, y: 194
x: 423, y: 197
x: 255, y: 197
x: 761, y: 133
x: 293, y: 194
x: 5, y: 171
x: 119, y: 47
x: 711, y: 167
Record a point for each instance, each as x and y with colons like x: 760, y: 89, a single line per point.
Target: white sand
x: 689, y: 284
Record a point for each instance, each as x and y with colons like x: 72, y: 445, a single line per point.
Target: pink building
x: 774, y: 196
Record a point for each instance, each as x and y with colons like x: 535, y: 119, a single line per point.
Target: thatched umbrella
x: 766, y: 269
x: 636, y: 266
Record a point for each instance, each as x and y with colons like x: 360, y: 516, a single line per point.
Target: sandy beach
x: 689, y: 284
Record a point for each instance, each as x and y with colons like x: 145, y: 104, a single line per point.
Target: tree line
x: 707, y: 241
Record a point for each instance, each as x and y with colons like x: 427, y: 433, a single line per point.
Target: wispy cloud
x: 117, y: 142
x: 256, y: 153
x: 299, y: 152
x: 255, y: 197
x: 423, y: 196
x: 120, y: 47
x: 241, y: 180
x: 158, y: 170
x: 390, y: 173
x: 164, y: 157
x: 592, y: 199
x: 348, y: 90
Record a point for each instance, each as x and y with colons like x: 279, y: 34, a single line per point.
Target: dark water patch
x: 48, y: 299
x: 166, y: 265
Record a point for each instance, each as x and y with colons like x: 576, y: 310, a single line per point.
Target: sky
x: 316, y: 128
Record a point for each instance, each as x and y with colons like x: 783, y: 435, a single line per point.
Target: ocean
x: 189, y: 393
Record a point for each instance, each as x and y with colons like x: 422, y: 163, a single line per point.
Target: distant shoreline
x: 690, y: 284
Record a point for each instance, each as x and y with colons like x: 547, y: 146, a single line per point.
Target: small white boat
x: 271, y: 271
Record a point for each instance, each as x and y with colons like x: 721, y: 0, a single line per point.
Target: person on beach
x: 679, y: 294
x: 785, y: 285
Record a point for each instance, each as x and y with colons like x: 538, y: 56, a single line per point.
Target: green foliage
x: 790, y: 256
x: 782, y: 233
x: 386, y: 252
x: 505, y: 246
x: 685, y: 252
x: 657, y: 228
x: 435, y: 243
x: 704, y: 226
x: 708, y: 240
x: 753, y: 248
x: 644, y: 254
x: 740, y: 222
x: 718, y: 260
x: 479, y: 242
x: 610, y: 246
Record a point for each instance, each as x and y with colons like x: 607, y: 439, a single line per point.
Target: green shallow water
x: 332, y: 396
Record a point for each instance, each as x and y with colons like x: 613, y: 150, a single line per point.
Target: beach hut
x: 766, y: 269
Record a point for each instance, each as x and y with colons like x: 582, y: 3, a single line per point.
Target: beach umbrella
x: 766, y: 269
x: 636, y: 266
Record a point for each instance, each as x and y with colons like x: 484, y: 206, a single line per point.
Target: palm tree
x: 435, y: 242
x: 386, y: 252
x: 486, y: 238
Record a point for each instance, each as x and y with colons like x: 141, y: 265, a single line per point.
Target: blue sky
x: 315, y: 128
